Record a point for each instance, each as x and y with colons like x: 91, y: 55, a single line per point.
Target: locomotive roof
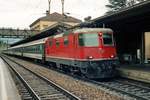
x: 92, y: 30
x: 83, y: 30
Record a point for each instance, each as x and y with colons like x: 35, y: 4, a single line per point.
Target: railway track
x: 25, y: 94
x: 134, y: 89
x: 125, y: 87
x: 36, y: 87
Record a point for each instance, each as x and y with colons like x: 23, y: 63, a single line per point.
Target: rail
x: 34, y: 93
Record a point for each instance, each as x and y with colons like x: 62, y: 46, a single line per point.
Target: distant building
x: 51, y: 19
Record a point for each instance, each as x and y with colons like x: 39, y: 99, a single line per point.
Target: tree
x: 115, y: 5
x: 141, y: 0
x: 133, y: 2
x: 87, y: 19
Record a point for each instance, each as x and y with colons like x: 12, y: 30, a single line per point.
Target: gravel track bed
x: 77, y: 87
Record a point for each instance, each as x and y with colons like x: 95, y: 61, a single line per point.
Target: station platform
x: 137, y: 72
x: 8, y: 89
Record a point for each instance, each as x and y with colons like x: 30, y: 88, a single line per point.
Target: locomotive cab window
x: 88, y: 39
x: 57, y: 43
x: 66, y: 42
x: 50, y: 43
x: 107, y: 39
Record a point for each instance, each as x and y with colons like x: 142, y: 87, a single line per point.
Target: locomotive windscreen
x: 89, y: 39
x: 107, y: 39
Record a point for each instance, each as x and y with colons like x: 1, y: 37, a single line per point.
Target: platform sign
x: 147, y: 45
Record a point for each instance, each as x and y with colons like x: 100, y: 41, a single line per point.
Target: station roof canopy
x: 138, y: 15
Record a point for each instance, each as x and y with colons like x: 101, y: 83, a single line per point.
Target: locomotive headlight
x: 90, y: 57
x: 112, y: 56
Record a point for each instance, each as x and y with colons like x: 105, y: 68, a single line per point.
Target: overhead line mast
x: 49, y: 4
x: 62, y: 1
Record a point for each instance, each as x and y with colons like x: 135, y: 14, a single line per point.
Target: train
x: 88, y: 51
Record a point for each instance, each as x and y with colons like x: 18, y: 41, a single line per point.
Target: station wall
x: 147, y: 45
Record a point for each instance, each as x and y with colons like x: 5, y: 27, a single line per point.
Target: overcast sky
x: 21, y: 13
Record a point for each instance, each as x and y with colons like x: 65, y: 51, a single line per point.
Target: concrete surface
x: 135, y: 72
x: 8, y: 90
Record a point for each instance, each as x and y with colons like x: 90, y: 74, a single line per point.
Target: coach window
x: 66, y: 42
x: 57, y: 43
x: 32, y: 49
x: 37, y: 48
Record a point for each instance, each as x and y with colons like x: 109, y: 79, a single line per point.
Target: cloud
x: 21, y: 13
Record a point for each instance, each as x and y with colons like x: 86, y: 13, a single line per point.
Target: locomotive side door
x: 76, y: 50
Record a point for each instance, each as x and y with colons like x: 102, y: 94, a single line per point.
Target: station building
x: 52, y: 19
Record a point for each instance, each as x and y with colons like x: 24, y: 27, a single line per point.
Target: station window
x: 57, y: 43
x: 45, y: 26
x: 66, y: 42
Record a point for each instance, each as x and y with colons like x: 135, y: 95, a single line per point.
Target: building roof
x: 57, y: 17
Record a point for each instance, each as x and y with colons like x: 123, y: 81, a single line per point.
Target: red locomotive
x: 88, y: 51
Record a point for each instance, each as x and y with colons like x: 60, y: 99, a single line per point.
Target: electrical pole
x: 62, y: 1
x: 49, y: 5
